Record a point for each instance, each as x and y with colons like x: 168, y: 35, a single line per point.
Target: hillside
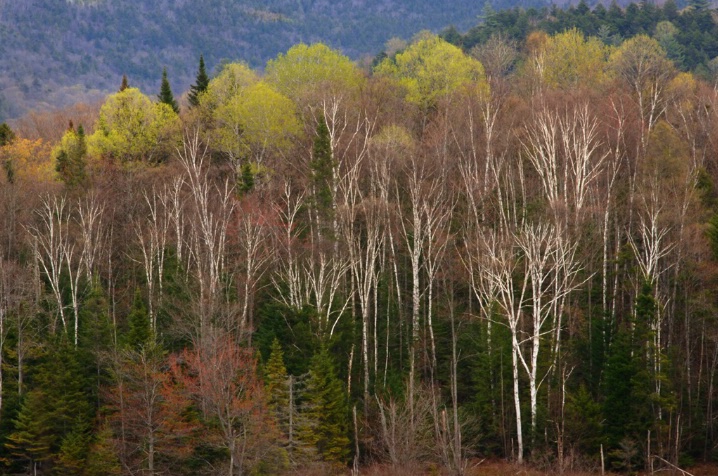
x: 57, y: 53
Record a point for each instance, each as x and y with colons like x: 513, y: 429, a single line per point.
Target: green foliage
x: 275, y: 379
x: 102, y: 457
x: 629, y: 400
x: 326, y: 413
x: 6, y: 134
x: 322, y: 166
x: 200, y: 85
x: 140, y: 331
x: 431, y: 69
x: 132, y: 128
x: 54, y: 419
x: 246, y: 178
x: 165, y: 96
x: 70, y: 158
x: 584, y: 421
x: 313, y: 69
x: 252, y: 120
x: 569, y: 60
x: 292, y: 328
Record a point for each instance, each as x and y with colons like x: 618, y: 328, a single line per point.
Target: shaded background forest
x: 506, y: 250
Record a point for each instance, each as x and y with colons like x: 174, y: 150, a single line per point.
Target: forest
x: 506, y: 251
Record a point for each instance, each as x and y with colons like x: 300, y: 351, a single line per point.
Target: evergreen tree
x: 246, y: 178
x: 52, y: 427
x: 280, y: 406
x: 322, y: 166
x: 70, y: 157
x: 628, y: 398
x: 140, y: 332
x: 165, y: 96
x: 200, y: 86
x: 102, y: 458
x: 275, y: 380
x: 6, y: 134
x: 125, y: 84
x: 326, y: 425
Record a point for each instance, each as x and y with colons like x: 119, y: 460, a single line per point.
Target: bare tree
x: 212, y: 209
x: 51, y: 241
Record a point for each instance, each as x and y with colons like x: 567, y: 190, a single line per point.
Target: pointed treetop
x: 201, y: 84
x: 6, y: 134
x: 125, y: 84
x: 165, y: 96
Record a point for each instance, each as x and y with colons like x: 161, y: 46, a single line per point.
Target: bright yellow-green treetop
x: 132, y: 127
x: 568, y: 60
x: 306, y: 69
x: 431, y: 68
x: 254, y: 122
x: 233, y: 78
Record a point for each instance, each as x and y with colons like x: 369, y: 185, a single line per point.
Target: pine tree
x: 326, y: 412
x: 125, y: 84
x: 165, y: 96
x: 140, y: 333
x: 200, y: 86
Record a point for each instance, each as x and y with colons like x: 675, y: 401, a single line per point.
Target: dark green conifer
x: 165, y: 96
x: 53, y: 424
x: 322, y: 166
x: 246, y: 178
x: 140, y: 332
x: 102, y: 459
x: 200, y: 85
x: 125, y: 84
x: 6, y: 134
x: 326, y: 414
x: 275, y: 381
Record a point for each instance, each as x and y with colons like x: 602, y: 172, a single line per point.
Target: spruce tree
x: 140, y: 333
x: 165, y: 96
x: 275, y: 381
x: 326, y: 414
x: 200, y: 86
x: 280, y: 406
x: 102, y: 458
x: 53, y: 424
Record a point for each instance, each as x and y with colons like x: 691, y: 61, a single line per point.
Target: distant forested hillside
x: 53, y: 52
x: 689, y: 35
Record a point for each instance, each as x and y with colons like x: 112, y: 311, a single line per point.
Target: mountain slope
x: 57, y: 52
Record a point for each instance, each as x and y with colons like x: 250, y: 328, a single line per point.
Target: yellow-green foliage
x: 254, y: 121
x: 431, y: 68
x: 234, y: 78
x: 131, y: 127
x: 569, y: 60
x: 642, y: 63
x: 307, y: 69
